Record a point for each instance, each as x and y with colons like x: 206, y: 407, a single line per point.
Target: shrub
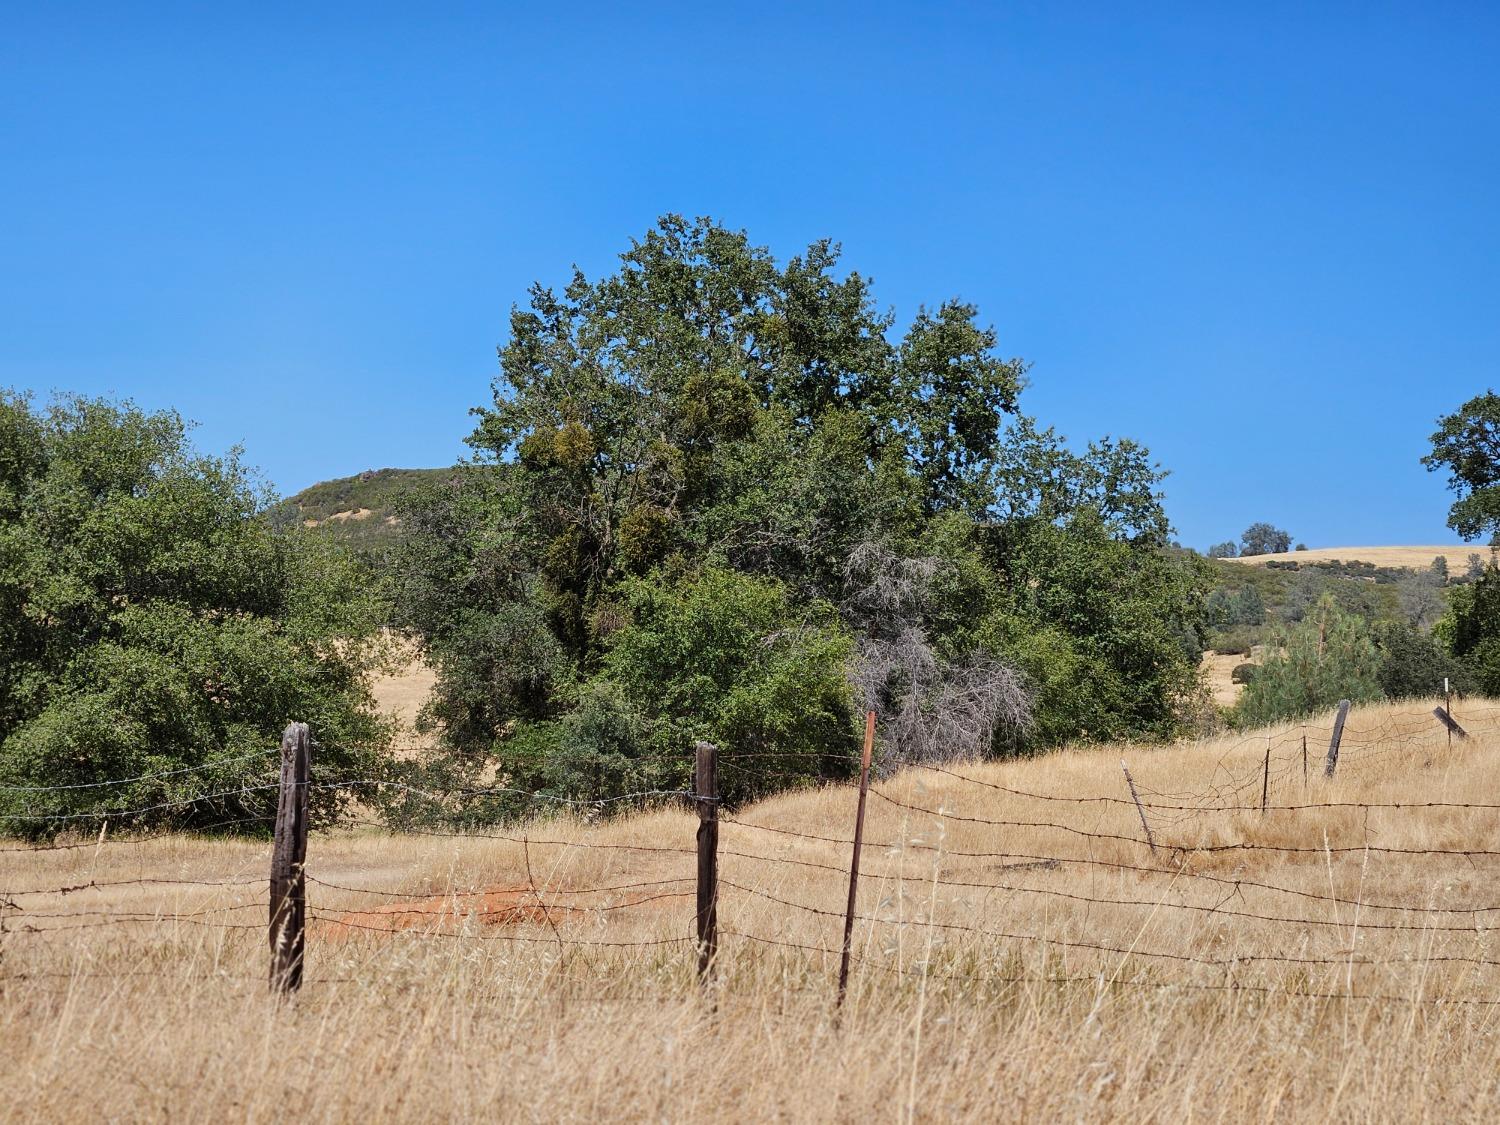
x: 1244, y: 673
x: 1234, y: 642
x: 713, y: 655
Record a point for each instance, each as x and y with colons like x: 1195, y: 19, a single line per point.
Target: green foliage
x: 1471, y: 630
x: 1226, y: 608
x: 152, y: 623
x: 1328, y: 657
x: 1236, y: 641
x: 1414, y: 664
x: 1263, y: 539
x: 1467, y: 445
x: 715, y: 490
x: 1122, y: 624
x: 715, y: 655
x: 1225, y: 550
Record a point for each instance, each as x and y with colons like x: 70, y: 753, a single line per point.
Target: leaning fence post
x: 288, y: 919
x: 1445, y: 715
x: 1146, y: 827
x: 706, y: 794
x: 1452, y: 724
x: 859, y: 834
x: 1338, y: 736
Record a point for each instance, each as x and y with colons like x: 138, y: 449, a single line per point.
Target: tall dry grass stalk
x: 1043, y: 967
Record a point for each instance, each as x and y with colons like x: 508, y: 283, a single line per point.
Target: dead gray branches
x: 929, y: 709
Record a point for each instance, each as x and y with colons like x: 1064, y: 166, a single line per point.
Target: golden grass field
x: 402, y: 689
x: 1017, y: 956
x: 1416, y: 558
x: 1218, y: 671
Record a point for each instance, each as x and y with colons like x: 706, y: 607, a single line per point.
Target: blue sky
x: 1262, y: 239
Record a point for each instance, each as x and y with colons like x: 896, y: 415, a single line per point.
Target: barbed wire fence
x: 1072, y: 851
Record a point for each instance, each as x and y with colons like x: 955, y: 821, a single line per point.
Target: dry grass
x: 1417, y: 558
x: 980, y: 990
x: 401, y: 692
x: 1218, y: 675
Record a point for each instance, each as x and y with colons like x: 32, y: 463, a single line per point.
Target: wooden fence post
x: 859, y: 835
x: 706, y: 791
x: 1338, y: 737
x: 1448, y: 708
x: 288, y: 857
x: 1145, y: 826
x: 1304, y: 755
x: 1265, y: 778
x: 1448, y: 721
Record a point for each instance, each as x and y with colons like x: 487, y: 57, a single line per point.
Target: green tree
x: 1110, y: 632
x: 1467, y: 445
x: 153, y: 627
x: 1330, y: 656
x: 708, y: 418
x: 1413, y: 664
x: 1471, y: 629
x: 1264, y: 539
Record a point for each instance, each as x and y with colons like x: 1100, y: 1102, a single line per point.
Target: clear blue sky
x: 1263, y: 239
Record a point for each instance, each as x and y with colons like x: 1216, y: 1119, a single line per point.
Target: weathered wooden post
x: 1447, y: 716
x: 859, y: 835
x: 1265, y: 778
x: 1134, y: 796
x: 1338, y: 737
x: 706, y: 794
x: 1453, y: 728
x: 288, y: 929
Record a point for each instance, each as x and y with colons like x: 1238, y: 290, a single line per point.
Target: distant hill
x: 1415, y: 558
x: 360, y: 509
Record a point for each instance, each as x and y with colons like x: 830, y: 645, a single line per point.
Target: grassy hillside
x: 1414, y: 558
x: 1387, y: 584
x: 1020, y: 951
x: 357, y: 509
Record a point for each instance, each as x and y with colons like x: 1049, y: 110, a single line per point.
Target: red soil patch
x: 494, y: 906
